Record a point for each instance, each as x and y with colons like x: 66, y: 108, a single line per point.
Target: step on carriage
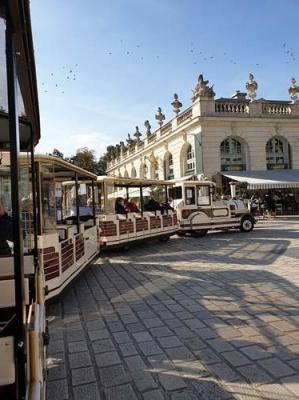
x: 23, y: 334
x: 198, y: 211
x: 144, y: 223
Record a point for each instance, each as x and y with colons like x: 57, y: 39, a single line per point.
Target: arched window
x: 168, y: 166
x: 133, y: 172
x: 126, y: 175
x: 277, y: 153
x: 232, y: 152
x: 190, y: 160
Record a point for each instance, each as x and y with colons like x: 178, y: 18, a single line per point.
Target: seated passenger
x: 120, y: 206
x: 166, y: 206
x: 6, y: 232
x: 130, y: 206
x: 152, y: 205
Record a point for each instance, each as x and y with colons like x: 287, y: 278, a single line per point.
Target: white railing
x: 166, y: 128
x: 227, y: 107
x: 183, y: 117
x: 277, y: 109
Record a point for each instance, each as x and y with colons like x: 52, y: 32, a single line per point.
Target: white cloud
x: 93, y: 140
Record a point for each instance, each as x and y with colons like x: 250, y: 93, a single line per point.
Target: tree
x: 57, y: 153
x: 85, y: 158
x: 102, y: 164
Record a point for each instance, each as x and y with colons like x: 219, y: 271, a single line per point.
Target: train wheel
x: 199, y: 233
x: 247, y: 224
x: 181, y: 233
x: 164, y: 238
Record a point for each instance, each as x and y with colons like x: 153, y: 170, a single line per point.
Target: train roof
x: 62, y: 167
x: 192, y: 180
x: 18, y: 12
x: 132, y: 182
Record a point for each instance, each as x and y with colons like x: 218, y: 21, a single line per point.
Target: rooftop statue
x: 148, y: 128
x: 160, y: 117
x: 176, y: 104
x: 293, y: 90
x: 130, y: 142
x: 251, y: 87
x: 117, y: 150
x: 202, y: 89
x: 137, y: 134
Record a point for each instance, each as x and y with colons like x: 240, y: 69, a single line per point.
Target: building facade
x: 240, y: 133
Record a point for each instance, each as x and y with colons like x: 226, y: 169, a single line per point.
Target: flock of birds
x: 197, y: 57
x: 70, y: 74
x: 289, y: 55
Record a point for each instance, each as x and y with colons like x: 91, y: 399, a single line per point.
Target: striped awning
x: 271, y: 179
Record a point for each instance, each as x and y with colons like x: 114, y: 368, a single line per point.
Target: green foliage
x: 85, y: 158
x: 57, y: 153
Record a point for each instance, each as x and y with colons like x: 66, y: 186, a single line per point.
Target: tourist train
x: 23, y: 333
x: 152, y: 217
x: 55, y: 217
x: 199, y: 210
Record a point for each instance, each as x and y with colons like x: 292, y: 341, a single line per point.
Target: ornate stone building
x: 241, y: 133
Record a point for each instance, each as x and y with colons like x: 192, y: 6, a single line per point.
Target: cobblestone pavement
x: 211, y: 318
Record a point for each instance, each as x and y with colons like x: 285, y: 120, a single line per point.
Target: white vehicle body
x: 197, y: 212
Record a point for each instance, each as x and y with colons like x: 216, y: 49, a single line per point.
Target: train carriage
x: 67, y: 225
x: 126, y: 228
x: 198, y: 211
x: 22, y: 312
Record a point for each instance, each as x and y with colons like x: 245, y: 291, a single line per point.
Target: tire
x: 199, y: 233
x: 247, y: 224
x: 181, y: 233
x: 164, y: 238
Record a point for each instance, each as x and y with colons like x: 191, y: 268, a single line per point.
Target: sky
x: 104, y: 67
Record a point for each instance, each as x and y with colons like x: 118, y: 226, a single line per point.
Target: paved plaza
x: 211, y: 318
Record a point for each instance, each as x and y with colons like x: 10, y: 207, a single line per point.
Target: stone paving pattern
x: 211, y: 318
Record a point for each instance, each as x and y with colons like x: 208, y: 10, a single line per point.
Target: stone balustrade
x: 184, y: 116
x: 231, y: 107
x: 277, y: 109
x: 166, y: 128
x: 152, y: 138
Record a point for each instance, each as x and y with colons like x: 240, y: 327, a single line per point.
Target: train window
x: 203, y: 196
x: 175, y: 193
x: 48, y: 200
x: 26, y: 207
x: 3, y: 82
x: 6, y: 235
x: 189, y: 195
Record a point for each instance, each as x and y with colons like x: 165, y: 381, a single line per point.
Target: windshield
x: 203, y: 196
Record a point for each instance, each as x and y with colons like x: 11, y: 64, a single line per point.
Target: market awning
x: 271, y: 179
